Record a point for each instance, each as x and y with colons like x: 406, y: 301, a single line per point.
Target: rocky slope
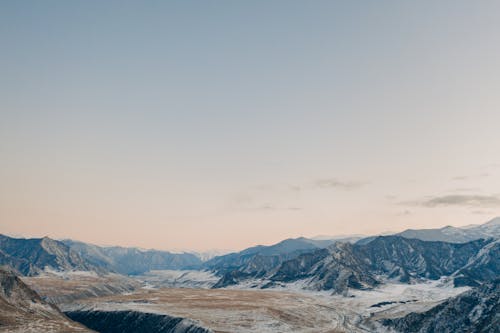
x: 484, y: 266
x: 336, y: 268
x: 477, y: 310
x: 406, y: 259
x: 32, y: 256
x: 360, y: 266
x: 260, y: 261
x: 70, y: 287
x: 134, y: 321
x: 22, y: 310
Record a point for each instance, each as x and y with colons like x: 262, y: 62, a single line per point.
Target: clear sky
x: 223, y: 124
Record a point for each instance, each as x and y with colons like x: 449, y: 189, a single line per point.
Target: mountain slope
x: 131, y: 261
x: 477, y: 310
x: 32, y: 256
x: 22, y: 310
x: 135, y: 321
x: 336, y: 268
x: 406, y: 259
x: 484, y: 266
x: 344, y: 265
x: 260, y: 261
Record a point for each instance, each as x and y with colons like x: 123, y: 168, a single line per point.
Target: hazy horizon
x: 222, y: 125
x: 227, y: 250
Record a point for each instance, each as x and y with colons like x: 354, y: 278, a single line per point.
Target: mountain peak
x: 494, y: 221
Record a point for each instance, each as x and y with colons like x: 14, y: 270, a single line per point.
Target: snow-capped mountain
x: 359, y: 266
x: 259, y: 260
x: 451, y: 234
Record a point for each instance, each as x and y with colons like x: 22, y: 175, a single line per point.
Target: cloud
x: 465, y: 189
x: 462, y: 200
x: 338, y: 184
x: 266, y: 206
x: 270, y: 207
x: 295, y: 188
x: 482, y: 212
x: 406, y: 212
x: 481, y: 175
x: 280, y: 197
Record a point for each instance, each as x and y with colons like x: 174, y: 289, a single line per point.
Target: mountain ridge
x: 34, y: 255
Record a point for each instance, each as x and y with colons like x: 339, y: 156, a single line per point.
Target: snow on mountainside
x: 33, y: 256
x: 336, y: 268
x: 288, y: 247
x: 342, y: 265
x: 451, y: 234
x: 260, y: 260
x: 210, y: 254
x: 477, y: 310
x: 178, y: 279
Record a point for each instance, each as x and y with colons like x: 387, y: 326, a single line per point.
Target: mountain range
x: 468, y: 256
x: 451, y: 234
x: 360, y: 266
x: 130, y: 260
x: 33, y: 256
x: 327, y: 263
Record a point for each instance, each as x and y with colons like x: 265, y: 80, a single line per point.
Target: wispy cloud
x: 266, y: 206
x: 334, y: 183
x: 405, y: 212
x: 482, y: 212
x: 462, y: 200
x: 270, y: 207
x: 465, y: 189
x: 252, y: 203
x: 274, y: 197
x: 481, y: 175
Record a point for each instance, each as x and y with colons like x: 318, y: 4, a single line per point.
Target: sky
x: 224, y: 124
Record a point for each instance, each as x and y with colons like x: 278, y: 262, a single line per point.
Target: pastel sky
x: 225, y: 124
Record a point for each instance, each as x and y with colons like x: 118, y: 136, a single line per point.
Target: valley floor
x: 243, y: 309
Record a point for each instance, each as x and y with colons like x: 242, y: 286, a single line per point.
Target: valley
x: 288, y: 308
x: 373, y: 284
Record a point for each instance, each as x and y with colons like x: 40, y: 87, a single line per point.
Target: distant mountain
x: 259, y: 260
x: 344, y: 265
x: 451, y: 234
x: 475, y: 311
x: 22, y: 309
x: 32, y: 256
x: 357, y: 266
x: 210, y: 254
x: 288, y: 246
x: 131, y: 261
x: 341, y: 238
x: 336, y: 268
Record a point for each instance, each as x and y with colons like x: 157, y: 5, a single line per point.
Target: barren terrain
x: 287, y: 309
